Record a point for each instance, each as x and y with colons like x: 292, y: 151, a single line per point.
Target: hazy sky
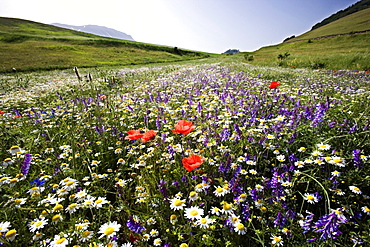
x: 202, y: 25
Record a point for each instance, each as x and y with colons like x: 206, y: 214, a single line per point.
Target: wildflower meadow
x: 185, y: 155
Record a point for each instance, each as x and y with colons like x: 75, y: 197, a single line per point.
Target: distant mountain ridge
x: 97, y: 30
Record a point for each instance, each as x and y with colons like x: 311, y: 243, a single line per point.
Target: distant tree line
x: 291, y: 37
x: 360, y: 5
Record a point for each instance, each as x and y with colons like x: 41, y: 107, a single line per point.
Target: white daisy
x: 154, y: 233
x: 38, y: 224
x: 58, y: 241
x: 109, y: 229
x: 338, y: 161
x: 280, y: 158
x: 311, y: 198
x: 86, y: 235
x: 194, y: 212
x: 215, y: 210
x: 227, y: 208
x: 177, y: 204
x: 151, y: 221
x: 259, y: 187
x: 193, y: 196
x: 127, y: 245
x: 72, y: 208
x: 220, y: 191
x: 277, y: 240
x: 204, y: 222
x: 240, y: 228
x: 338, y: 192
x: 335, y: 173
x: 4, y: 226
x: 366, y: 210
x: 355, y: 189
x: 157, y: 242
x: 253, y: 172
x: 316, y: 153
x: 322, y: 146
x: 98, y: 203
x: 10, y: 235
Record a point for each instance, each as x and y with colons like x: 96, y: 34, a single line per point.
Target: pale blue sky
x: 202, y: 25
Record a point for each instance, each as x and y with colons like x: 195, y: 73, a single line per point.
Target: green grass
x: 330, y: 53
x: 342, y: 44
x: 30, y: 46
x: 357, y: 22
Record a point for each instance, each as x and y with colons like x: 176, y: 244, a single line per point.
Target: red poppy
x: 274, y: 84
x: 1, y: 111
x: 192, y: 162
x: 17, y: 116
x: 133, y: 135
x: 183, y: 127
x: 103, y: 96
x: 149, y: 135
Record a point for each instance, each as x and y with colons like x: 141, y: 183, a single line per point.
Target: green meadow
x: 116, y: 143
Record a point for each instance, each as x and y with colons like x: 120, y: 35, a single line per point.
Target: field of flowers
x: 203, y: 155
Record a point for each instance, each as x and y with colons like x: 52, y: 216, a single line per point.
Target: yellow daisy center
x: 226, y: 206
x: 58, y: 207
x: 85, y: 234
x: 60, y: 241
x: 310, y: 197
x: 194, y: 212
x: 240, y: 227
x: 38, y: 224
x: 69, y: 183
x: 219, y: 190
x: 177, y: 202
x: 10, y: 233
x: 277, y: 239
x: 109, y: 230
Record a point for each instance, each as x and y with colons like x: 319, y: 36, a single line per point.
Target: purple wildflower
x: 26, y: 164
x: 357, y: 158
x: 225, y: 134
x: 307, y: 224
x: 163, y: 189
x: 329, y: 224
x: 134, y: 226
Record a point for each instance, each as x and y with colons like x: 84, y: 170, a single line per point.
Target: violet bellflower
x: 357, y: 158
x: 134, y: 226
x: 328, y: 225
x: 26, y: 164
x: 307, y: 223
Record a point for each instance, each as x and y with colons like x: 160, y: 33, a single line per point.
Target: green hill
x: 350, y: 24
x: 360, y: 5
x: 27, y: 45
x: 341, y: 44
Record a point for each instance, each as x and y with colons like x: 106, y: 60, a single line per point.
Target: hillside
x: 27, y: 45
x: 354, y: 23
x: 360, y: 5
x: 341, y: 44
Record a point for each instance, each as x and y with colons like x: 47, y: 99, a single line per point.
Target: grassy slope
x: 339, y: 52
x: 27, y: 45
x: 357, y: 22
